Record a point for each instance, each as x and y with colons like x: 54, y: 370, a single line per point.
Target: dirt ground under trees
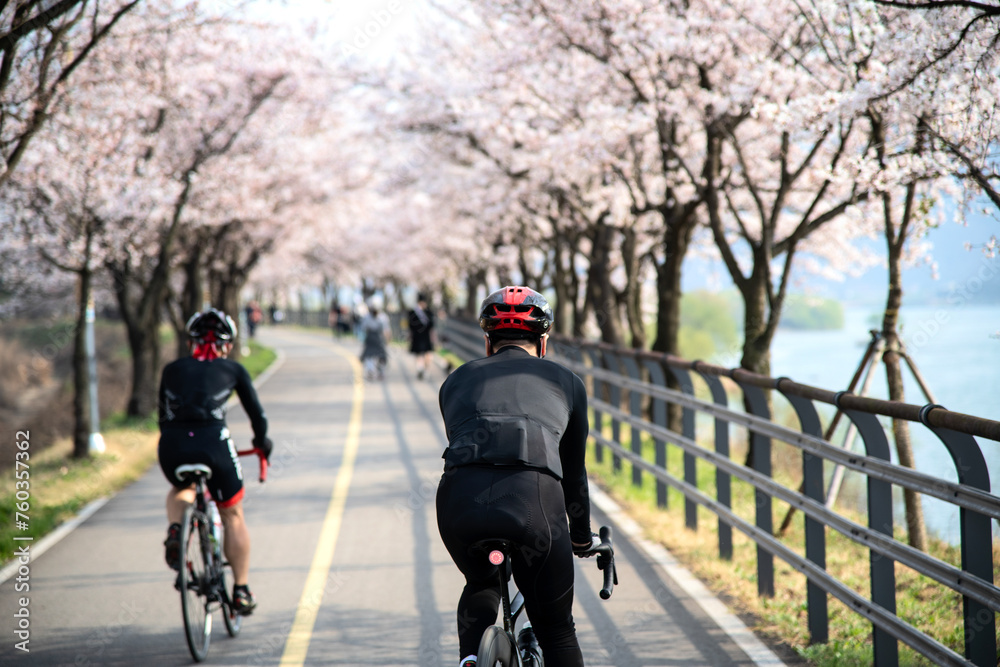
x: 36, y: 384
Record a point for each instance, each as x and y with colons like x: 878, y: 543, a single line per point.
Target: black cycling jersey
x: 194, y: 393
x: 193, y: 396
x: 515, y: 410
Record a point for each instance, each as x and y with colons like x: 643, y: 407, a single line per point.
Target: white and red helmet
x: 515, y: 312
x: 211, y: 326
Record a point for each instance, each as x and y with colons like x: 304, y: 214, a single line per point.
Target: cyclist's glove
x: 588, y: 550
x: 265, y: 446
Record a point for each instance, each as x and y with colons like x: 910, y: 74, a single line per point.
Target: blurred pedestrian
x: 421, y: 328
x: 254, y: 315
x: 344, y: 324
x: 333, y: 319
x: 375, y: 335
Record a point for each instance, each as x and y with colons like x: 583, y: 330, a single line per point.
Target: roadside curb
x: 44, y: 544
x: 755, y: 649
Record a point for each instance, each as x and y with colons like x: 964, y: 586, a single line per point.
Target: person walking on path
x: 421, y: 328
x: 254, y: 315
x: 375, y: 335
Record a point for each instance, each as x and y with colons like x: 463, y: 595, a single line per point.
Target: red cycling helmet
x: 515, y: 312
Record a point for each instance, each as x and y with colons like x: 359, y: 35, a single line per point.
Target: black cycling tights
x: 526, y: 507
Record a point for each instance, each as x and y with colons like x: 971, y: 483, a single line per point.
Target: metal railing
x: 630, y: 388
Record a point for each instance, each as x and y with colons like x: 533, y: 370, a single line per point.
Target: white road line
x: 729, y: 622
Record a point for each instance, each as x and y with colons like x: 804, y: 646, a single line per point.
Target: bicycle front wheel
x: 496, y: 649
x: 194, y: 583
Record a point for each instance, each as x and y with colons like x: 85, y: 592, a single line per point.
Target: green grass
x: 259, y: 359
x: 60, y: 486
x: 933, y: 608
x: 450, y: 357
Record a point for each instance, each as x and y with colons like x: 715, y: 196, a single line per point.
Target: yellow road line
x: 312, y: 594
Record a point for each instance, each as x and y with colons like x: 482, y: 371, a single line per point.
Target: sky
x: 370, y: 30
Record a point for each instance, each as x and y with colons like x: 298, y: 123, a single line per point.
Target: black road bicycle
x: 498, y: 647
x: 202, y: 577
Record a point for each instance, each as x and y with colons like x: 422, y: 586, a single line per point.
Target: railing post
x: 812, y: 483
x: 687, y: 430
x: 659, y: 409
x: 761, y: 463
x: 613, y: 364
x: 883, y: 573
x: 631, y: 366
x: 594, y: 355
x: 723, y: 481
x: 977, y: 547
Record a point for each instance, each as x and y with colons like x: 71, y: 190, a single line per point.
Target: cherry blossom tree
x: 70, y: 184
x: 908, y: 103
x: 502, y: 113
x: 270, y: 184
x: 211, y: 82
x: 636, y: 77
x: 968, y: 36
x: 41, y: 45
x: 156, y: 109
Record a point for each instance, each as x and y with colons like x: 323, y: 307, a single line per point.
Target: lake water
x: 953, y: 348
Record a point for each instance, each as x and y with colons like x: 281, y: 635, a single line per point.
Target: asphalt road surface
x: 346, y: 563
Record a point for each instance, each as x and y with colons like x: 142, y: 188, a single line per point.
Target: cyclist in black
x: 514, y: 469
x: 192, y: 410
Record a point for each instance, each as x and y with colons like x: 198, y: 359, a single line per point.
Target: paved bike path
x: 102, y: 595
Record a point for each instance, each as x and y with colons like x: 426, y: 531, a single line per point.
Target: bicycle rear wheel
x: 232, y: 620
x: 496, y: 649
x: 193, y: 583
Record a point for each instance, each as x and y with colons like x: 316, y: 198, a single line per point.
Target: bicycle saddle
x: 191, y: 471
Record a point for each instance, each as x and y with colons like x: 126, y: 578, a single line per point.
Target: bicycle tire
x: 496, y: 649
x: 233, y: 621
x: 194, y: 601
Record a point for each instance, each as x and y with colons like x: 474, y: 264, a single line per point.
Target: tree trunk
x: 600, y: 293
x: 561, y: 283
x: 676, y: 240
x: 226, y: 295
x: 757, y: 335
x: 904, y: 448
x: 472, y: 283
x: 895, y: 242
x: 757, y: 343
x: 225, y: 290
x: 916, y: 530
x: 190, y: 300
x: 81, y: 372
x: 633, y: 289
x: 144, y: 342
x: 142, y: 324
